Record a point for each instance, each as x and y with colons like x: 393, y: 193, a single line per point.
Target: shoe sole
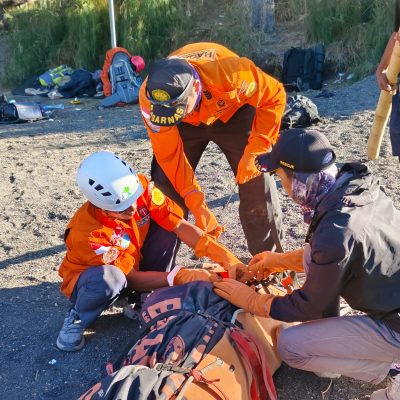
x: 62, y: 347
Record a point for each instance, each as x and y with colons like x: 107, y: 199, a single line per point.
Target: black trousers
x: 259, y: 209
x: 394, y: 125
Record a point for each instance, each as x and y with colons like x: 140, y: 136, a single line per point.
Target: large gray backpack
x: 125, y: 82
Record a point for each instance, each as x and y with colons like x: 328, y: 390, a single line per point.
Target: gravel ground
x: 39, y: 195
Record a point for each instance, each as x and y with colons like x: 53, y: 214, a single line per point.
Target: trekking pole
x: 112, y: 23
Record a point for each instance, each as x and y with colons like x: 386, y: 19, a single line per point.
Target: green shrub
x: 231, y: 27
x: 289, y: 10
x: 355, y: 31
x: 76, y: 32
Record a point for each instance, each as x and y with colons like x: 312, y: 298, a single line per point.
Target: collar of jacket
x: 355, y: 186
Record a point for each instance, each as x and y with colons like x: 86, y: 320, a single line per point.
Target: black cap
x: 168, y: 88
x: 299, y: 151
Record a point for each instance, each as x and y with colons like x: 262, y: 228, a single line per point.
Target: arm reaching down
x: 268, y: 262
x: 207, y: 246
x: 244, y: 297
x: 380, y: 73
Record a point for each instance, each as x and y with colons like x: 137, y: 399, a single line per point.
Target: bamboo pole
x: 384, y: 106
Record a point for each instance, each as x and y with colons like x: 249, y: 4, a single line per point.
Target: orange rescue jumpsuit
x: 232, y: 87
x: 92, y: 239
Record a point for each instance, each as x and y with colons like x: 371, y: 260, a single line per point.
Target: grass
x: 76, y: 32
x: 355, y: 32
x: 48, y: 33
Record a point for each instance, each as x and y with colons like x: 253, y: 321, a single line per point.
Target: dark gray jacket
x: 355, y: 253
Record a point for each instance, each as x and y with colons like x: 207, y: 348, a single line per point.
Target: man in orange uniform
x: 113, y: 244
x: 204, y: 92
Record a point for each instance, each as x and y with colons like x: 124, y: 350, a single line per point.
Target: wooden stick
x: 384, y: 106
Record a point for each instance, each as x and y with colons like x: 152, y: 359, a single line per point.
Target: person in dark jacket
x: 352, y: 250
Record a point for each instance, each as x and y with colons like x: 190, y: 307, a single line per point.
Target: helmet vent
x: 130, y: 169
x: 99, y: 187
x: 106, y: 194
x: 91, y: 181
x: 118, y: 201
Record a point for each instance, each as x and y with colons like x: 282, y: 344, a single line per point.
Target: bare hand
x: 383, y: 82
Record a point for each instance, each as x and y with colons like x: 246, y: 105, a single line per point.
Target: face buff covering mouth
x: 309, y: 188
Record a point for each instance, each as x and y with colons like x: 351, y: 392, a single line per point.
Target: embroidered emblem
x: 251, y: 89
x: 173, y: 119
x: 98, y: 248
x: 110, y: 255
x: 143, y: 221
x: 243, y: 88
x: 120, y: 238
x: 204, y: 54
x: 144, y: 215
x: 207, y: 94
x: 157, y: 197
x: 160, y: 95
x: 143, y: 211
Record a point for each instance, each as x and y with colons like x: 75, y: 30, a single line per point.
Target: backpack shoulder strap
x: 262, y: 385
x: 112, y: 366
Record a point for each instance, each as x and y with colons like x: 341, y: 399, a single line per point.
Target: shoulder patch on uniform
x: 110, y: 255
x: 243, y: 87
x: 251, y: 89
x: 204, y: 54
x: 157, y: 197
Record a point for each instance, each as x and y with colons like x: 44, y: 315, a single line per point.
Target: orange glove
x: 203, y: 216
x: 186, y: 275
x: 208, y: 247
x: 247, y: 169
x: 267, y: 262
x: 244, y: 297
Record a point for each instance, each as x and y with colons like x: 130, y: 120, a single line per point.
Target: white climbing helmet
x: 108, y: 182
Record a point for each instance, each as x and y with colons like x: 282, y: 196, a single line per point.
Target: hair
x: 288, y: 172
x: 397, y: 15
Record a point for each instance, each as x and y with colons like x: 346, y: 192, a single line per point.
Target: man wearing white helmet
x: 113, y: 244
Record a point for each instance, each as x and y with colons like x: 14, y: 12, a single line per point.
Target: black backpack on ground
x: 11, y: 113
x: 300, y: 111
x: 303, y: 68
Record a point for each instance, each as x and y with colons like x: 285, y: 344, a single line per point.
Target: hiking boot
x: 392, y: 392
x: 71, y: 336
